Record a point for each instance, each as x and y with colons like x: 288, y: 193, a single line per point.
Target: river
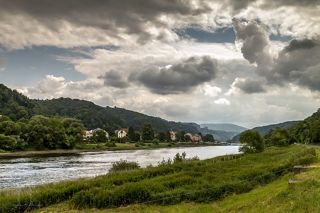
x: 23, y: 172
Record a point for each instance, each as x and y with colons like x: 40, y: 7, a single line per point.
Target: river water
x: 22, y: 172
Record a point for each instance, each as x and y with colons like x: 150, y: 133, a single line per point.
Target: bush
x: 123, y: 165
x: 252, y: 141
x: 7, y: 143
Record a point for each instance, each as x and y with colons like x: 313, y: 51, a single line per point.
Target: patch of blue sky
x: 30, y: 65
x: 221, y: 35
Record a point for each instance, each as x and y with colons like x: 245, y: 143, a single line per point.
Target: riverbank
x: 96, y: 148
x: 168, y: 184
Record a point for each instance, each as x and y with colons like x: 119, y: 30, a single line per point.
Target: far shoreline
x: 119, y: 147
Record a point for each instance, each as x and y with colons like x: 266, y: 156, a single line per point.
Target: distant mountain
x: 263, y: 130
x: 224, y: 127
x: 222, y: 131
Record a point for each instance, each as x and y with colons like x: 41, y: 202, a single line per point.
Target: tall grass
x: 123, y: 165
x: 197, y: 181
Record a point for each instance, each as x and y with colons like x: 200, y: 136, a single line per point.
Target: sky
x: 247, y: 62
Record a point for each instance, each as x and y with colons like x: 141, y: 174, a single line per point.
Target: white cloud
x: 211, y: 91
x: 222, y: 101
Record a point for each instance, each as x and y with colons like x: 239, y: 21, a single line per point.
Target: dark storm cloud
x: 297, y: 3
x: 179, y: 77
x: 300, y: 44
x: 241, y: 4
x: 297, y: 63
x: 115, y: 79
x: 250, y: 86
x: 114, y: 16
x: 254, y: 41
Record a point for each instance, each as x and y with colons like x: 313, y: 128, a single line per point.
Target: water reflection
x: 23, y: 172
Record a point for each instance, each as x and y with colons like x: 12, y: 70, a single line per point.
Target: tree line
x: 40, y: 132
x: 306, y: 132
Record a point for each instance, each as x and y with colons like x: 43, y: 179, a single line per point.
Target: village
x: 147, y: 134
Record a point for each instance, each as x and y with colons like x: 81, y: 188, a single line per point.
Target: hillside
x: 224, y: 127
x: 263, y: 130
x: 307, y: 131
x: 94, y: 116
x: 18, y: 106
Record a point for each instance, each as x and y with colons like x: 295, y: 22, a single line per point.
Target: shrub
x: 123, y: 165
x: 252, y: 141
x: 7, y: 143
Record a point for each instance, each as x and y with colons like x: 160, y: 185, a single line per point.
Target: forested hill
x: 94, y: 116
x: 18, y: 106
x: 15, y: 105
x: 263, y: 130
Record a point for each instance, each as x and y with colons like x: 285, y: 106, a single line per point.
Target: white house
x: 121, y: 133
x: 173, y: 135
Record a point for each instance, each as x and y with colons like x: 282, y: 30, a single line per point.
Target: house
x: 193, y: 137
x: 196, y: 138
x: 121, y: 133
x: 89, y: 134
x: 173, y: 135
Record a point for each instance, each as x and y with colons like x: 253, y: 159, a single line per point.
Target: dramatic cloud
x: 297, y: 63
x: 179, y: 77
x: 75, y: 23
x: 114, y: 79
x: 95, y: 22
x: 159, y: 56
x: 248, y: 86
x: 254, y: 40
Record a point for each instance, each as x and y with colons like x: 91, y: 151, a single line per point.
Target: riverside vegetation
x: 169, y: 183
x: 50, y: 133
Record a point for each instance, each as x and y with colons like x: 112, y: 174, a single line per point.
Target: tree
x: 252, y: 141
x: 7, y: 143
x: 9, y: 128
x: 315, y: 132
x: 161, y: 136
x: 187, y: 138
x: 208, y: 138
x: 147, y: 132
x: 99, y: 136
x: 278, y: 137
x: 74, y: 130
x: 131, y: 134
x: 136, y: 137
x: 168, y: 136
x: 180, y: 136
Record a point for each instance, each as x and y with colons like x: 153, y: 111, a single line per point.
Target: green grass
x: 192, y: 181
x: 277, y: 197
